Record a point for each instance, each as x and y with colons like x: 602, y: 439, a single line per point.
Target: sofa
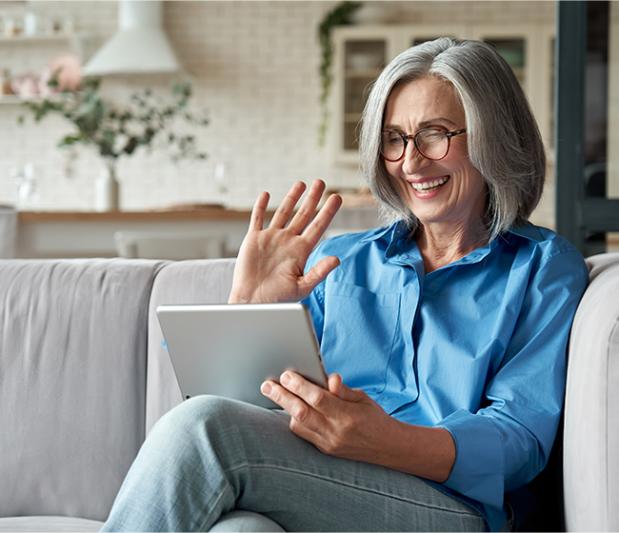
x: 84, y: 375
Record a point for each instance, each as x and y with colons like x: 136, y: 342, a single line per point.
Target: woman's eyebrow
x: 423, y: 124
x: 435, y: 120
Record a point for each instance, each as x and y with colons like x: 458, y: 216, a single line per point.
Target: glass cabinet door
x: 529, y: 53
x: 513, y: 50
x: 363, y: 62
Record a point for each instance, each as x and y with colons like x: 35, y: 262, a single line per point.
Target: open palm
x: 271, y: 262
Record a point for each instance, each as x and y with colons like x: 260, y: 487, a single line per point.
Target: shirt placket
x: 402, y: 379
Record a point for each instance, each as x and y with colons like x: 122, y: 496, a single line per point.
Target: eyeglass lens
x: 432, y: 144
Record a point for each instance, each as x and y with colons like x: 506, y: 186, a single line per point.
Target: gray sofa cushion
x: 184, y: 282
x: 72, y: 382
x: 234, y: 521
x: 591, y: 437
x: 48, y: 523
x: 242, y: 521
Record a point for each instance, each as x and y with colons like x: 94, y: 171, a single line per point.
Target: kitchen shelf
x: 75, y: 41
x: 38, y: 39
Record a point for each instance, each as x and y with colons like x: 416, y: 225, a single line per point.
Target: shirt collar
x: 396, y: 239
x: 402, y: 249
x: 528, y: 231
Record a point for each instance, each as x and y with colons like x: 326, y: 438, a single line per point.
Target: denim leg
x: 212, y: 455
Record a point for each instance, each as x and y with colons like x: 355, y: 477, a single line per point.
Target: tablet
x: 229, y: 350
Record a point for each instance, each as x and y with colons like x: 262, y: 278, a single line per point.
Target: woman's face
x: 460, y: 194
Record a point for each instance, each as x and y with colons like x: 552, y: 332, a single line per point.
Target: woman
x: 444, y: 333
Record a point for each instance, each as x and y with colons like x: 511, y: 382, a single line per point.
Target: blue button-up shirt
x: 477, y: 347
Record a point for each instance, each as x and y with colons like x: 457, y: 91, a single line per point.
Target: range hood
x: 140, y: 45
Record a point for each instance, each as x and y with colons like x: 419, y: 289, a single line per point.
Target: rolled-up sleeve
x: 506, y: 443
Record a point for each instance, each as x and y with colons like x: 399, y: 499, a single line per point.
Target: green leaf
x: 131, y: 145
x: 69, y: 140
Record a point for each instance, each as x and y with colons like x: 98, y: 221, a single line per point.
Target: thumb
x: 317, y: 273
x: 337, y: 387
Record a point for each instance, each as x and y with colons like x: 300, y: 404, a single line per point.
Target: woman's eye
x: 433, y: 136
x: 393, y: 138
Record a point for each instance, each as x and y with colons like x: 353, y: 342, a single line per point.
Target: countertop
x: 203, y: 213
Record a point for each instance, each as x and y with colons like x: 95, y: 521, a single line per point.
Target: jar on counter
x: 5, y: 82
x: 12, y: 27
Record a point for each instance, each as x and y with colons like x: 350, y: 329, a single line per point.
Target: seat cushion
x: 48, y: 523
x: 242, y: 521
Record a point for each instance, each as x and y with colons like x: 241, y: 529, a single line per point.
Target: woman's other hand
x: 340, y: 421
x: 271, y: 261
x: 347, y: 423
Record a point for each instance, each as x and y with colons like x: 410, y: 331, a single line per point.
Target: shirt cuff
x: 478, y: 469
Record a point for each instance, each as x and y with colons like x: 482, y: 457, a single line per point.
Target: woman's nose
x: 412, y: 159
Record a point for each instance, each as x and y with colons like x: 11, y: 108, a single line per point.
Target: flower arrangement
x: 116, y: 130
x: 119, y: 130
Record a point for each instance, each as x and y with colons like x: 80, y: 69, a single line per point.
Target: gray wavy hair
x: 503, y: 139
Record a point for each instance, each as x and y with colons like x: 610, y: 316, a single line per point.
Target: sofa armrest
x: 184, y: 282
x: 591, y: 433
x: 72, y: 387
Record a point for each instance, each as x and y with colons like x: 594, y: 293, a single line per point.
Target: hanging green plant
x: 340, y: 15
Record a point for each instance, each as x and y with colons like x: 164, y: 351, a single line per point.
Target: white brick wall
x: 254, y: 66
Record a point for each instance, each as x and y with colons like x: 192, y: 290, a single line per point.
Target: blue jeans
x: 210, y: 456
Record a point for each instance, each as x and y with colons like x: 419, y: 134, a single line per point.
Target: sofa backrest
x: 73, y: 337
x: 205, y: 281
x: 591, y: 432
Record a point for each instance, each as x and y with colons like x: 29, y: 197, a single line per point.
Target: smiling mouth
x: 430, y: 185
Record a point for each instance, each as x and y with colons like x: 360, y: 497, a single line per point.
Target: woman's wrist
x: 419, y: 450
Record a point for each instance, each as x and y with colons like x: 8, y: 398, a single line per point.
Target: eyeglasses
x: 432, y: 143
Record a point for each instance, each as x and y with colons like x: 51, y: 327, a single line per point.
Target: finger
x: 334, y: 381
x: 308, y: 209
x: 288, y: 401
x: 285, y: 209
x: 313, y: 395
x: 268, y: 389
x: 321, y: 222
x: 257, y: 213
x: 337, y: 387
x: 298, y: 421
x: 317, y: 273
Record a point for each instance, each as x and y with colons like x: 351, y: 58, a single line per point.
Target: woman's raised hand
x: 271, y: 262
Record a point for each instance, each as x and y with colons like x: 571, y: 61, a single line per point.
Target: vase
x: 107, y: 188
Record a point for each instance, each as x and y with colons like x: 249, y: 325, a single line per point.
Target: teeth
x: 430, y: 184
